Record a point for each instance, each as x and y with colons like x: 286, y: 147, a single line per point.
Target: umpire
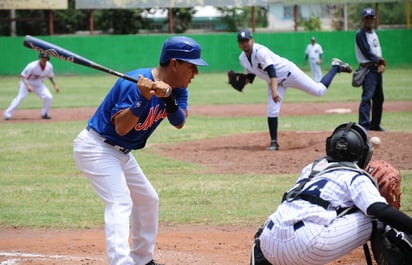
x: 369, y: 54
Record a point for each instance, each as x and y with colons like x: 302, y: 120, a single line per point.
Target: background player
x: 280, y: 73
x: 329, y: 210
x: 32, y: 81
x: 369, y: 54
x: 314, y: 53
x: 123, y: 122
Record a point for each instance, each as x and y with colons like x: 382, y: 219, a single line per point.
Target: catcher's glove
x: 237, y: 80
x: 388, y: 179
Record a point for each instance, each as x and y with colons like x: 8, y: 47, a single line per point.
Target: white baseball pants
x: 315, y: 244
x: 126, y: 192
x: 299, y: 80
x: 42, y: 92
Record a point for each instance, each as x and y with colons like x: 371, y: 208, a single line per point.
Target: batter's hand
x: 381, y: 68
x: 148, y: 88
x: 161, y: 89
x: 145, y: 86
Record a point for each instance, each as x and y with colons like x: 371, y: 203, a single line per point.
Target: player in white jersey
x: 32, y: 81
x: 314, y: 53
x: 369, y: 54
x: 329, y: 211
x: 280, y: 73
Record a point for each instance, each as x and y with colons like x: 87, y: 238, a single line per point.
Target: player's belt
x: 369, y: 64
x: 107, y: 141
x: 296, y: 226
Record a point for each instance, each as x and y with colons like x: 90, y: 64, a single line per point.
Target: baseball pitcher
x: 279, y: 74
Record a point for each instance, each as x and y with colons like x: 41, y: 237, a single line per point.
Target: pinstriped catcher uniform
x: 301, y: 232
x: 329, y: 210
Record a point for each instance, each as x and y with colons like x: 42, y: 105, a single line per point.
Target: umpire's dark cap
x: 181, y: 48
x: 368, y: 12
x: 244, y: 35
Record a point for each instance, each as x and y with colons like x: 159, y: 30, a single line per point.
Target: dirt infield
x: 199, y: 244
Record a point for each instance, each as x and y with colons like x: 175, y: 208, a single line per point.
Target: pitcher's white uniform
x: 321, y: 236
x: 288, y: 75
x: 34, y: 75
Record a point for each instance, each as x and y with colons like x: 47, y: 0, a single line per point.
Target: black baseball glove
x: 237, y: 80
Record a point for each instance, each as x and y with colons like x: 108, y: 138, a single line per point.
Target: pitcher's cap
x: 244, y: 35
x: 181, y: 48
x: 368, y: 12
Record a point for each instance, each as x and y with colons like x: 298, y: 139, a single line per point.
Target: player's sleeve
x: 27, y: 71
x: 364, y: 47
x: 363, y: 192
x: 263, y: 56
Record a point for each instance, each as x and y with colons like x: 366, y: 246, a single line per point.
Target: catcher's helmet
x: 181, y: 48
x: 349, y: 142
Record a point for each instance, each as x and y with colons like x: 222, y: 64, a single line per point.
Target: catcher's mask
x: 349, y: 142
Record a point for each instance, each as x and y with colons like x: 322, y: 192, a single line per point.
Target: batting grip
x: 53, y: 50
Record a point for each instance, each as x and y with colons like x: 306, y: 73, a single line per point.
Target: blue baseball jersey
x: 123, y: 95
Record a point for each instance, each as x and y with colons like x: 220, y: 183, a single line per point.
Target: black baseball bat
x: 53, y: 50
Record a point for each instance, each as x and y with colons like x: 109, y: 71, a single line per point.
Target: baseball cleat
x: 343, y: 67
x: 45, y: 117
x: 274, y: 146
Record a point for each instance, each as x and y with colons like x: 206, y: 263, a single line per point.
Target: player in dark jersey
x: 123, y: 122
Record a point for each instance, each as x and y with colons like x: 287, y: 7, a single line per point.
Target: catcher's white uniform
x: 301, y: 232
x: 288, y: 75
x: 34, y: 75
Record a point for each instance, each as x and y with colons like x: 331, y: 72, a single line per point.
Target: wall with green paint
x: 126, y: 52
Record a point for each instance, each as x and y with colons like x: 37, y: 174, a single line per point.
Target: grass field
x: 41, y: 187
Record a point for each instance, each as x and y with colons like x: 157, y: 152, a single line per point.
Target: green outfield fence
x: 220, y: 50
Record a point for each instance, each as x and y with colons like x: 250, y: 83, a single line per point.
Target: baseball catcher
x: 331, y: 208
x: 237, y: 80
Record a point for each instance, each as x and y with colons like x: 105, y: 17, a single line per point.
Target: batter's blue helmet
x: 181, y: 48
x: 368, y: 12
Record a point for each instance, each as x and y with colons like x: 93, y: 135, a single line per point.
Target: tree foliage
x: 310, y: 24
x: 131, y: 21
x: 235, y: 17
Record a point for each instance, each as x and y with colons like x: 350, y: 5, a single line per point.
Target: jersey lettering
x: 315, y: 188
x: 153, y: 116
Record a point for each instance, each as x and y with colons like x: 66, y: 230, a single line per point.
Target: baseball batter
x: 329, y: 211
x: 32, y: 81
x: 280, y: 73
x: 123, y: 122
x: 314, y: 53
